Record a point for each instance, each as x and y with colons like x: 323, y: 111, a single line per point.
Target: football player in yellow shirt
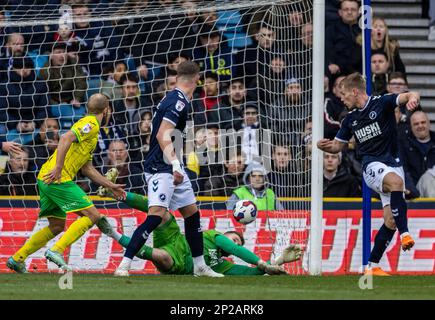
x: 59, y: 195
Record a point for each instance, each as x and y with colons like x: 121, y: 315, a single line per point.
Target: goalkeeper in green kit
x: 171, y: 252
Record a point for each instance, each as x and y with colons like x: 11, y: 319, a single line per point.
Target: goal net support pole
x: 315, y: 266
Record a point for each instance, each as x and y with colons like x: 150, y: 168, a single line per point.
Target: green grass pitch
x: 87, y: 286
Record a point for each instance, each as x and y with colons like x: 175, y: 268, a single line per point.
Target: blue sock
x: 382, y: 240
x: 141, y: 235
x: 399, y: 208
x: 193, y: 232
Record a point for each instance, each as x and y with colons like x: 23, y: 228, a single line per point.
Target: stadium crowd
x: 255, y: 78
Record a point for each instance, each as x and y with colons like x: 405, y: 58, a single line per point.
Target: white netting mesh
x: 254, y: 99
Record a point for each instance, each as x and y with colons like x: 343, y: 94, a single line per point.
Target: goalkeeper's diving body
x: 171, y: 253
x: 59, y: 195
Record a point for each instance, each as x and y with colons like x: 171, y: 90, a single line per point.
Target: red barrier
x: 96, y: 253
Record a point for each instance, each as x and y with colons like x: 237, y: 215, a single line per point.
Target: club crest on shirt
x: 179, y: 105
x: 86, y: 128
x: 372, y: 115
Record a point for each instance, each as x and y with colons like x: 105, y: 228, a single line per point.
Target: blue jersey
x: 374, y: 128
x: 175, y: 108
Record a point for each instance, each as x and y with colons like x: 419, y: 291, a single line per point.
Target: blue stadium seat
x: 94, y: 86
x: 67, y: 114
x: 22, y: 138
x: 230, y: 24
x: 39, y: 60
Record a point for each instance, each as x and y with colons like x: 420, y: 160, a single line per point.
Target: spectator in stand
x: 111, y: 82
x: 426, y: 183
x: 127, y: 111
x: 206, y: 99
x: 109, y: 132
x: 252, y: 60
x: 379, y: 65
x: 418, y: 148
x: 190, y: 27
x: 17, y: 180
x: 340, y: 41
x: 256, y: 189
x: 337, y: 181
x: 140, y: 145
x: 398, y: 84
x: 287, y: 117
x: 335, y: 110
x: 100, y: 42
x: 228, y: 113
x: 167, y: 85
x: 250, y: 139
x: 224, y: 185
x: 272, y: 84
x: 15, y: 47
x: 207, y: 160
x: 23, y: 98
x: 66, y: 81
x: 301, y: 61
x: 283, y: 177
x: 212, y: 55
x: 352, y: 161
x: 381, y: 41
x: 64, y: 34
x: 44, y: 144
x: 130, y: 173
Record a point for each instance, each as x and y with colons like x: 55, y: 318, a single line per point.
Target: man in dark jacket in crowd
x: 17, y: 180
x: 418, y: 147
x: 228, y: 112
x: 340, y: 41
x: 224, y: 185
x: 23, y: 98
x: 337, y: 181
x: 44, y: 144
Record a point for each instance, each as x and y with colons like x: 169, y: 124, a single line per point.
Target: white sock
x: 199, y: 261
x: 125, y: 263
x: 116, y: 235
x: 404, y: 234
x: 372, y: 265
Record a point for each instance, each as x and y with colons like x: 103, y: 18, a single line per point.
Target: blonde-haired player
x: 59, y: 195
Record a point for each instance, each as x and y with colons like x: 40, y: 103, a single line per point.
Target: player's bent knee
x: 392, y: 182
x: 56, y: 226
x: 92, y: 213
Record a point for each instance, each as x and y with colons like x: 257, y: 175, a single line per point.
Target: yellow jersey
x: 80, y: 151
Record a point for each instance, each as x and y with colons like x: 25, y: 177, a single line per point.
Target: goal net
x: 248, y: 135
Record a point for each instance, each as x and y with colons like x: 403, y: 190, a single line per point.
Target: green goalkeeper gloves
x: 270, y: 269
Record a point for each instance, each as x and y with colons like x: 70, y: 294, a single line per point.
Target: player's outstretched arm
x: 62, y: 149
x: 165, y: 142
x: 412, y: 100
x: 231, y: 248
x: 89, y: 170
x: 331, y: 146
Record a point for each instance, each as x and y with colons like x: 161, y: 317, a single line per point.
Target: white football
x: 245, y: 211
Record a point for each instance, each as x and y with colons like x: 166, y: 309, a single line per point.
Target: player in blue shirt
x: 372, y: 122
x: 168, y: 184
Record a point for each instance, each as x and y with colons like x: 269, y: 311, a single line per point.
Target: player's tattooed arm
x: 331, y: 146
x: 411, y: 99
x: 62, y: 149
x: 165, y: 142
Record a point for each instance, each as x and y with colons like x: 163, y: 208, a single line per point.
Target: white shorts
x: 163, y: 193
x: 374, y: 176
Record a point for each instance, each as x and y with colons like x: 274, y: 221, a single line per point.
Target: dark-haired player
x: 372, y: 122
x: 168, y: 184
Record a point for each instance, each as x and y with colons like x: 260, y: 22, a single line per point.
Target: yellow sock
x: 35, y: 242
x: 74, y: 232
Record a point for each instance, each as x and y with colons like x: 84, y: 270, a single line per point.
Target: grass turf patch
x: 87, y: 286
